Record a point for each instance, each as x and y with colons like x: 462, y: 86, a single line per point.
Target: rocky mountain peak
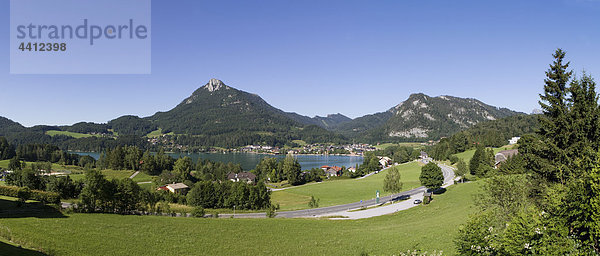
x: 214, y: 85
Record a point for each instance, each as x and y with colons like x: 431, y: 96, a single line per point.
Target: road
x: 338, y: 209
x: 134, y: 174
x: 344, y: 210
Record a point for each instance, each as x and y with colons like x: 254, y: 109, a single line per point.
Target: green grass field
x: 70, y: 134
x: 345, y: 190
x: 142, y: 177
x: 404, y: 144
x: 157, y: 133
x: 4, y: 164
x: 425, y: 228
x: 467, y: 155
x: 109, y: 174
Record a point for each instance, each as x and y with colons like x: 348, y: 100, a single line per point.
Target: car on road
x: 401, y: 198
x: 417, y: 201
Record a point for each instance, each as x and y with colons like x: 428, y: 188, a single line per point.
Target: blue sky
x: 321, y: 57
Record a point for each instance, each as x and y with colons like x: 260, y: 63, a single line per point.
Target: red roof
x: 337, y: 168
x: 163, y: 188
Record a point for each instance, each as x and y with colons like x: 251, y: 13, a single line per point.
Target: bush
x: 198, y: 212
x: 453, y: 159
x: 23, y: 194
x: 272, y: 211
x: 38, y: 195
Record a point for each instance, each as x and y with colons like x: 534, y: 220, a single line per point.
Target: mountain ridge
x: 217, y: 111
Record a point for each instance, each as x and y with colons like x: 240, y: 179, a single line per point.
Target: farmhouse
x: 385, y: 161
x: 177, y: 188
x: 247, y: 177
x: 513, y: 140
x: 504, y: 155
x: 331, y: 171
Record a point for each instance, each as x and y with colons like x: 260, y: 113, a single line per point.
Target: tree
x: 127, y: 197
x: 198, y: 212
x: 7, y: 151
x: 94, y: 194
x: 554, y: 123
x: 476, y: 160
x: 292, y: 170
x: 183, y: 168
x: 391, y: 182
x: 553, y: 208
x: 482, y: 161
x: 432, y: 176
x: 15, y: 164
x: 64, y: 186
x: 272, y: 210
x: 461, y: 169
x: 23, y: 194
x: 313, y: 203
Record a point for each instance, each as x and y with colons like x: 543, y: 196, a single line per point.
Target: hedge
x: 38, y: 195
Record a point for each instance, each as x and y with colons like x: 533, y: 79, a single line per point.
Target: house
x: 352, y: 169
x: 177, y: 188
x: 162, y: 188
x: 331, y: 171
x: 504, y: 155
x: 513, y: 140
x: 385, y: 161
x: 423, y: 155
x: 247, y: 177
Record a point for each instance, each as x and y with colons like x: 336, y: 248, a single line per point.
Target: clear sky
x: 320, y: 57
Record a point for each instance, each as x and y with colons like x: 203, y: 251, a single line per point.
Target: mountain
x: 216, y: 108
x: 422, y: 117
x: 217, y: 114
x: 9, y: 126
x: 363, y: 124
x: 329, y: 122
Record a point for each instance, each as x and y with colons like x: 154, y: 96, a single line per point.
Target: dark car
x: 401, y: 198
x: 418, y: 201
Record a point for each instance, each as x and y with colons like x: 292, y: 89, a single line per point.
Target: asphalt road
x: 307, y: 213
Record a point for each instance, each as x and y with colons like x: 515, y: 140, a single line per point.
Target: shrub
x: 38, y: 195
x: 272, y: 211
x: 198, y: 212
x: 23, y: 194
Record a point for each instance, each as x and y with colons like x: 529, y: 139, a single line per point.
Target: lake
x: 250, y: 160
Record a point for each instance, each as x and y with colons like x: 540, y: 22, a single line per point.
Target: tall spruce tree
x: 554, y: 123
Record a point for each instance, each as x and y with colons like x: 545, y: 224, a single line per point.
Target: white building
x: 513, y: 140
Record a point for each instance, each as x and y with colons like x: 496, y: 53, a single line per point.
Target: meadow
x: 467, y: 155
x: 70, y: 134
x: 403, y: 144
x: 343, y: 191
x: 426, y: 228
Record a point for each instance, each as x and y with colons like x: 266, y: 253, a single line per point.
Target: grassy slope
x: 109, y: 174
x: 428, y: 228
x: 4, y: 164
x: 404, y: 144
x: 344, y: 191
x: 467, y: 155
x: 70, y: 134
